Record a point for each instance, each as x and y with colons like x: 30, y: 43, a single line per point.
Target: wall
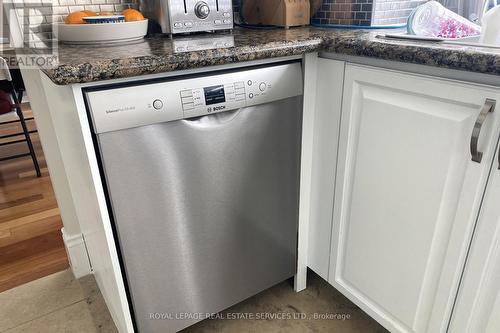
x: 374, y: 12
x: 345, y: 12
x: 42, y: 13
x: 394, y: 12
x: 365, y: 12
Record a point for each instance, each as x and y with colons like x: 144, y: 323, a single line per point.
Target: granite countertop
x: 80, y: 64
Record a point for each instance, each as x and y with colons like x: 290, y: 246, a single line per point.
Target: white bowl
x: 103, y: 33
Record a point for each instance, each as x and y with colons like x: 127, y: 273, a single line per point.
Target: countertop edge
x: 144, y: 65
x: 361, y: 43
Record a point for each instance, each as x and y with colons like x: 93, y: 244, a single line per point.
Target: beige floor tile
x: 75, y: 318
x: 38, y: 298
x: 97, y: 306
x: 91, y: 315
x: 318, y: 298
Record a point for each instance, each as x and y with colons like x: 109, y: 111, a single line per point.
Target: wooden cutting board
x: 284, y: 13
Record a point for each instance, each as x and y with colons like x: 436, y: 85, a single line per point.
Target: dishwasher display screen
x: 214, y: 95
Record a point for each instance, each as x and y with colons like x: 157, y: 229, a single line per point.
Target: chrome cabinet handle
x: 489, y: 106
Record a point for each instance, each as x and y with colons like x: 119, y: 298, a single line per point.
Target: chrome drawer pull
x: 489, y: 106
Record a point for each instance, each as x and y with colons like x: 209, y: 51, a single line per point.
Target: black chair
x: 16, y: 116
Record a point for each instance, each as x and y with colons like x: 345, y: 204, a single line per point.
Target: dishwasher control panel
x: 115, y: 108
x: 213, y: 98
x: 222, y: 97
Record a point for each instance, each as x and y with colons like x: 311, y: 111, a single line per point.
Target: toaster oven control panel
x: 200, y: 15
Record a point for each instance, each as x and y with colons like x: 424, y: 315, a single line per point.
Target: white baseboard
x: 77, y: 254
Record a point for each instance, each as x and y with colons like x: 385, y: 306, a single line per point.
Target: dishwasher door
x: 206, y: 209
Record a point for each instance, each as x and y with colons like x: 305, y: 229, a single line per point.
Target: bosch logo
x: 218, y: 108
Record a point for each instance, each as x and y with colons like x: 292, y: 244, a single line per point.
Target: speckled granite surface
x: 79, y: 64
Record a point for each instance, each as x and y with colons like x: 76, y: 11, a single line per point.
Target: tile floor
x: 59, y: 303
x: 56, y: 303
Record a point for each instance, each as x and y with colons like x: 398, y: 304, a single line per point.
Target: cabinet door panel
x: 407, y: 194
x: 477, y: 307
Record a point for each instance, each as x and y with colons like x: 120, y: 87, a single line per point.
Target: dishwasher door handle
x: 213, y: 120
x: 489, y: 106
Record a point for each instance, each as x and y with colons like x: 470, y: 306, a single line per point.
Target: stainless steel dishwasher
x: 202, y: 179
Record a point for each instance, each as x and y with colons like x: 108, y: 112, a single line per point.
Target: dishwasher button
x: 250, y: 95
x: 157, y: 104
x: 187, y: 93
x: 188, y: 106
x: 262, y: 86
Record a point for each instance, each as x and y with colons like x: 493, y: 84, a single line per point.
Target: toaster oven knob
x: 202, y: 10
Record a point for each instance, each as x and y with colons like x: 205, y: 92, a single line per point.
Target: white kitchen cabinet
x: 407, y: 193
x: 477, y: 307
x: 328, y: 105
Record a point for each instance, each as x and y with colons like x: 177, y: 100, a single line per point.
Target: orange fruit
x: 90, y: 13
x: 132, y: 15
x: 75, y: 18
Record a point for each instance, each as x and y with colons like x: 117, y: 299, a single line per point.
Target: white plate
x: 473, y: 41
x: 103, y: 33
x: 426, y: 38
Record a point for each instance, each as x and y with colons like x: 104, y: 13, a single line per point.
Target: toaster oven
x: 184, y: 16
